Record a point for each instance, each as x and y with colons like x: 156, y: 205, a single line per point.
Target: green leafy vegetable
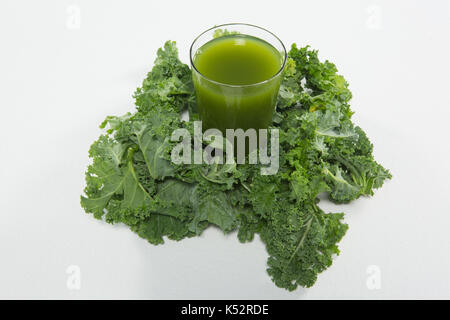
x: 132, y: 181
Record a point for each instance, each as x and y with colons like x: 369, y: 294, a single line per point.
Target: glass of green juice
x: 237, y: 70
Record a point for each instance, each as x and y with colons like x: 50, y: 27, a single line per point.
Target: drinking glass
x: 227, y: 106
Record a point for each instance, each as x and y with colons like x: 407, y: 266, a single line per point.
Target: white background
x: 60, y: 79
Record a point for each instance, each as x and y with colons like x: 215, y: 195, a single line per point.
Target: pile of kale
x: 133, y: 181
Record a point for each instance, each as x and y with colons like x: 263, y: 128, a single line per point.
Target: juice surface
x: 238, y: 95
x: 238, y: 60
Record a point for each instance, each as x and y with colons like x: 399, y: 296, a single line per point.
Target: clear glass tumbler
x: 232, y: 106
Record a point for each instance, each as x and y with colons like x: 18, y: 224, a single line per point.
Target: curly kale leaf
x: 168, y: 86
x: 301, y: 241
x: 317, y: 128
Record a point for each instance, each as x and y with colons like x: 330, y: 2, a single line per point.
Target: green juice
x: 236, y: 81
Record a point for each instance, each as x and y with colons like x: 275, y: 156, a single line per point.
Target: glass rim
x: 238, y: 85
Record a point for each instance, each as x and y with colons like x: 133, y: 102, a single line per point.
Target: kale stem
x: 209, y: 179
x: 308, y: 225
x: 247, y: 188
x: 348, y: 165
